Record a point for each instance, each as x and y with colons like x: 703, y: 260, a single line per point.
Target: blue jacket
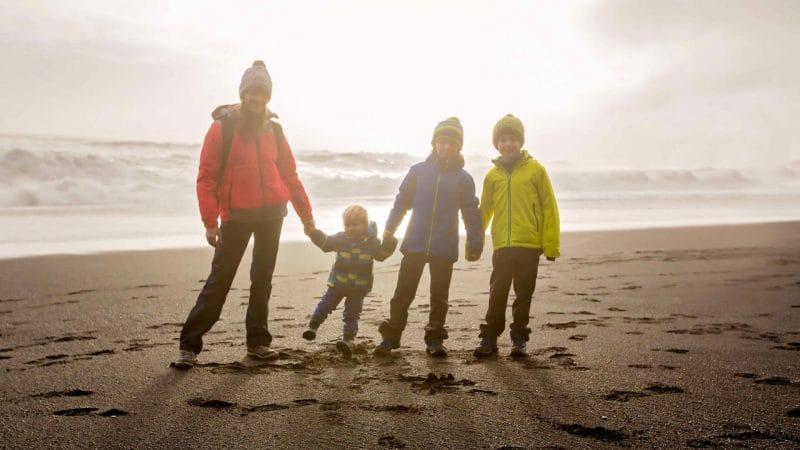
x: 435, y: 190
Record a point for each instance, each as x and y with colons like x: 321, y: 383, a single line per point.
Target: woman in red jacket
x: 247, y: 175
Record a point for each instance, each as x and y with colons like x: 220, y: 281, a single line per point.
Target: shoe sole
x: 272, y: 356
x: 382, y: 354
x: 309, y: 336
x: 344, y: 348
x: 183, y: 365
x: 478, y: 354
x: 437, y: 354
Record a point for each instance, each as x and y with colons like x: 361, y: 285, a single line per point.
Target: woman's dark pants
x: 227, y: 256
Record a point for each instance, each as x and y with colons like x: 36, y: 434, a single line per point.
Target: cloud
x: 92, y: 74
x: 698, y: 83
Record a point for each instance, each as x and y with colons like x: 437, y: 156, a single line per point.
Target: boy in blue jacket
x: 435, y: 191
x: 351, y: 276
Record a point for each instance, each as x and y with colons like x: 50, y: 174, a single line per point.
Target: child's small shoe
x: 518, y: 347
x: 436, y: 349
x: 487, y: 347
x: 345, y: 346
x: 310, y: 334
x: 186, y: 360
x: 384, y: 348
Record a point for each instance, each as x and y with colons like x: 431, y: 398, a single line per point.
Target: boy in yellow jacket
x: 518, y: 200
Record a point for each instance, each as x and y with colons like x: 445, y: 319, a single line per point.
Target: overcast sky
x: 624, y: 82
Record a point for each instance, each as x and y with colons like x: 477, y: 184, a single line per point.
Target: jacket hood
x: 233, y: 110
x: 456, y: 162
x: 524, y: 157
x: 372, y: 229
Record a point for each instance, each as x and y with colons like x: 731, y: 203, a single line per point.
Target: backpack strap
x: 228, y: 124
x: 277, y: 129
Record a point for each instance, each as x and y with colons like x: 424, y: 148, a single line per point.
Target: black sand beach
x: 683, y: 337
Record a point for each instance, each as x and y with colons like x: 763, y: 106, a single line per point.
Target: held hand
x: 389, y: 243
x: 213, y: 237
x: 472, y: 257
x: 309, y: 227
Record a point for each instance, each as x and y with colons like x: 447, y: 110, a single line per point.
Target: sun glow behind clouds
x: 378, y: 76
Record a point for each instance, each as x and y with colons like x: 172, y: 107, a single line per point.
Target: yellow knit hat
x: 450, y: 127
x: 509, y: 124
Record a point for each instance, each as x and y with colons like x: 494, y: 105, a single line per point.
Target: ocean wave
x: 52, y: 172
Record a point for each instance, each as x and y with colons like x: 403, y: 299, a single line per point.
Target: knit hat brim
x: 450, y: 128
x: 508, y: 124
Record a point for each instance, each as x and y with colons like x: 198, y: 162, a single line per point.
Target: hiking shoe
x: 345, y: 347
x: 518, y: 351
x: 487, y: 347
x: 186, y: 360
x: 518, y: 347
x: 262, y: 352
x: 384, y: 348
x: 310, y: 334
x: 436, y: 349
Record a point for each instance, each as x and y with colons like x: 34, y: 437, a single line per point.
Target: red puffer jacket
x: 258, y: 175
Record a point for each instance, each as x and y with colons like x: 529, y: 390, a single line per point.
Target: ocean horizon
x: 73, y: 195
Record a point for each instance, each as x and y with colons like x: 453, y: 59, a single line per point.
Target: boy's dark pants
x: 411, y: 268
x: 519, y: 266
x: 227, y: 256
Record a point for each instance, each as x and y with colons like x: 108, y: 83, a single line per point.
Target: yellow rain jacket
x: 523, y: 206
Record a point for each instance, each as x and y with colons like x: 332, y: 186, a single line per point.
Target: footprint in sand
x: 212, y: 403
x: 599, y: 433
x: 774, y: 381
x: 390, y: 442
x: 81, y: 291
x: 75, y: 411
x: 679, y: 351
x: 623, y: 396
x: 391, y: 408
x: 70, y: 393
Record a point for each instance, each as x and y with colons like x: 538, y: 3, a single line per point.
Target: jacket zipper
x: 535, y: 219
x: 260, y: 172
x: 433, y: 213
x: 508, y: 186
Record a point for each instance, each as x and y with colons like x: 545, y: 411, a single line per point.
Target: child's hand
x: 309, y: 227
x: 389, y: 244
x: 316, y: 236
x: 472, y: 257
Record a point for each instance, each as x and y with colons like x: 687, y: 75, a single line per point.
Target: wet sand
x: 684, y: 337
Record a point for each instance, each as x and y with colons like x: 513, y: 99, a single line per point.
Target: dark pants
x: 353, y: 304
x: 519, y: 266
x: 235, y: 236
x: 411, y: 267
